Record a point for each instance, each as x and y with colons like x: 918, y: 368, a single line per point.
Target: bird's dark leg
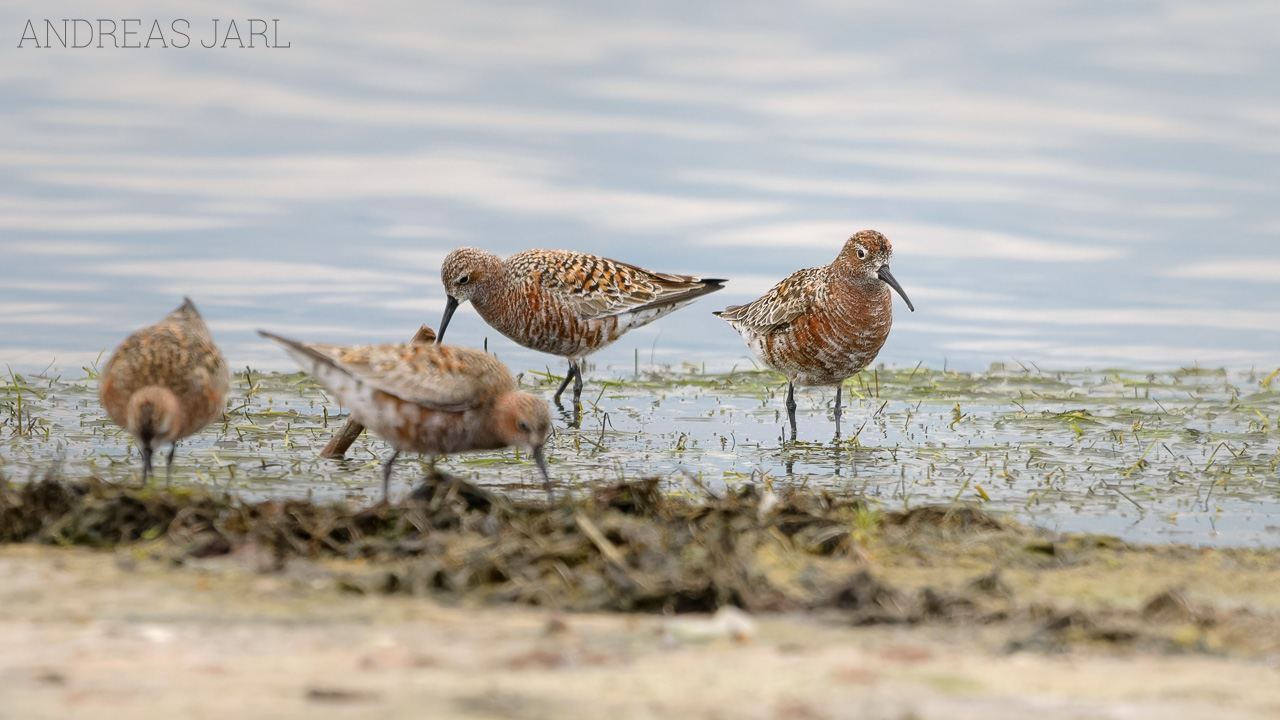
x: 577, y: 386
x: 386, y: 474
x: 573, y: 371
x: 146, y: 463
x: 168, y: 465
x: 839, y: 389
x: 571, y: 419
x: 791, y: 408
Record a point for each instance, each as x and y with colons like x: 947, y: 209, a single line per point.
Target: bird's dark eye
x: 862, y: 253
x: 464, y: 280
x: 522, y: 426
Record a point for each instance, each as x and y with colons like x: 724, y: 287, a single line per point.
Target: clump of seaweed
x: 630, y: 547
x: 625, y: 547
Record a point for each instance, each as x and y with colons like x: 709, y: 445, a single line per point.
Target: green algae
x: 1190, y: 455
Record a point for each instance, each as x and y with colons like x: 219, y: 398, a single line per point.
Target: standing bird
x: 822, y: 325
x: 431, y: 399
x: 165, y: 382
x: 564, y: 303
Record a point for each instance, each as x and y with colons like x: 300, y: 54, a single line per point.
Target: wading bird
x: 822, y: 325
x: 165, y: 382
x: 431, y: 399
x: 563, y: 303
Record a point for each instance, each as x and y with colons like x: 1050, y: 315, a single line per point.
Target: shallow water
x: 1065, y: 187
x: 1072, y: 186
x: 1186, y: 456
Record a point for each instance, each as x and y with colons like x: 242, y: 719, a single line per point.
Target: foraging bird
x: 165, y: 382
x: 822, y: 325
x: 431, y: 399
x: 563, y: 303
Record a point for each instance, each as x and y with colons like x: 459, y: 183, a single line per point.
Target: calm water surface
x: 1063, y: 185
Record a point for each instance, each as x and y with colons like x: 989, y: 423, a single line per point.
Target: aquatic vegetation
x: 1191, y: 455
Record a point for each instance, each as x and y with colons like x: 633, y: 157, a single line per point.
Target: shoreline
x: 89, y: 633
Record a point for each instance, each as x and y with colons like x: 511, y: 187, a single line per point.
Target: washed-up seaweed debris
x: 626, y: 547
x: 630, y: 547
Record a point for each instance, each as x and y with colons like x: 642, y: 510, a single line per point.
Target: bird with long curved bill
x: 431, y: 399
x: 563, y: 303
x: 822, y: 325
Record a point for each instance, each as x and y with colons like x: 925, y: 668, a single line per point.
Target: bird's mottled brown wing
x: 599, y: 287
x: 178, y: 355
x: 440, y: 377
x: 206, y: 362
x: 784, y: 302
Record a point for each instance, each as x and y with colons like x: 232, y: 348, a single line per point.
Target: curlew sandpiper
x: 165, y: 382
x: 822, y: 325
x: 563, y: 303
x: 430, y: 399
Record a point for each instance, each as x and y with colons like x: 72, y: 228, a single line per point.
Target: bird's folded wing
x: 440, y: 377
x: 783, y: 303
x: 596, y: 287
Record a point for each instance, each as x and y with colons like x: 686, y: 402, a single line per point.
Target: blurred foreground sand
x: 96, y: 634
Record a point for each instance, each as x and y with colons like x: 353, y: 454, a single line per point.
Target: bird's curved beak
x: 540, y: 458
x: 886, y: 276
x: 449, y: 309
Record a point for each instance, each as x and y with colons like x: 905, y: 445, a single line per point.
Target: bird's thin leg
x: 386, y: 474
x: 839, y: 389
x: 791, y: 408
x: 577, y: 385
x: 573, y: 369
x: 146, y: 464
x: 168, y: 465
x: 571, y: 419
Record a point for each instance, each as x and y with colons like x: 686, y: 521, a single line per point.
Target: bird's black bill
x: 887, y: 276
x: 449, y: 308
x: 541, y: 459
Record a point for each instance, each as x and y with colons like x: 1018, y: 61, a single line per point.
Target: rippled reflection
x: 1064, y: 185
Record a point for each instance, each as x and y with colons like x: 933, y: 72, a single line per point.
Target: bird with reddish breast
x: 822, y: 325
x: 431, y: 399
x: 165, y: 382
x: 563, y: 303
